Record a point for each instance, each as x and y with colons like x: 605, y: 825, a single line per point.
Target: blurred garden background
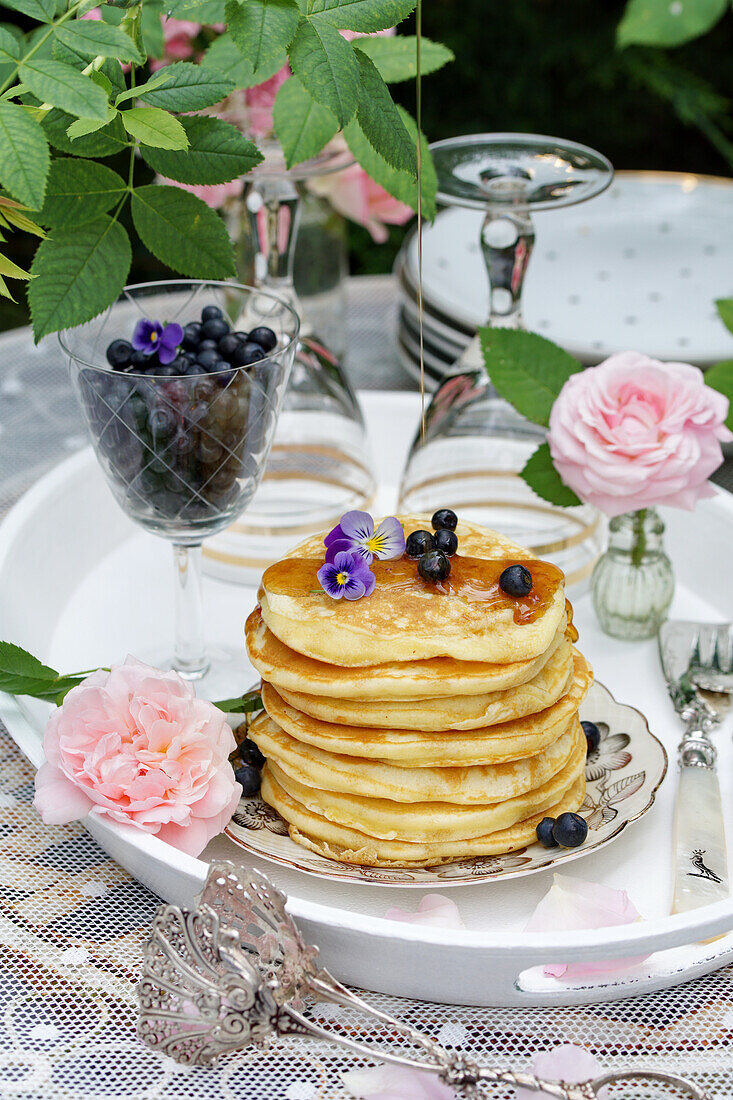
x: 551, y: 67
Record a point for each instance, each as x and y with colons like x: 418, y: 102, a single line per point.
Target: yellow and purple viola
x: 351, y: 547
x: 152, y: 336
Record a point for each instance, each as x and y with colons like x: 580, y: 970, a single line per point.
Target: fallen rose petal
x: 434, y: 910
x: 571, y: 905
x: 396, y: 1083
x: 567, y: 1062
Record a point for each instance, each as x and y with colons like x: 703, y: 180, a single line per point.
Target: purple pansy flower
x: 356, y: 534
x: 347, y: 575
x: 151, y: 336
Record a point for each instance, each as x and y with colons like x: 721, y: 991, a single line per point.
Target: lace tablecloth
x: 72, y: 921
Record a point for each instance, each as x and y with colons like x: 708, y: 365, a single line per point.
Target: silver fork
x: 711, y: 666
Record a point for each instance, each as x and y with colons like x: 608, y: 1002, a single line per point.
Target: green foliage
x: 724, y: 307
x: 328, y: 67
x: 225, y: 58
x: 527, y: 370
x: 402, y: 185
x: 262, y: 29
x: 217, y: 152
x: 182, y: 232
x: 380, y: 120
x: 720, y: 377
x: 667, y: 22
x: 78, y: 191
x: 42, y: 10
x: 186, y: 87
x: 77, y: 273
x: 540, y: 474
x: 152, y: 126
x: 63, y: 87
x: 9, y: 46
x: 302, y: 125
x: 360, y: 15
x: 93, y: 38
x: 25, y: 159
x: 396, y: 58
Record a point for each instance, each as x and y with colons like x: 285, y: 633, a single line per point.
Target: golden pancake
x: 351, y: 846
x: 411, y: 620
x: 448, y: 748
x: 457, y: 712
x: 459, y: 786
x: 423, y: 822
x: 433, y: 678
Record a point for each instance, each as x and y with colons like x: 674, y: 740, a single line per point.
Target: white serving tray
x: 79, y: 585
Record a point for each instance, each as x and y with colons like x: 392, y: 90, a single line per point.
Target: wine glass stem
x: 189, y: 658
x: 274, y: 209
x: 507, y: 237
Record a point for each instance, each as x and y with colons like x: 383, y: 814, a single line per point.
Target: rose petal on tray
x: 396, y: 1083
x: 571, y: 905
x: 567, y: 1062
x: 434, y: 910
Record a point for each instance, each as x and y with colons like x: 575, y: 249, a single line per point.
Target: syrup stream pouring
x: 235, y: 971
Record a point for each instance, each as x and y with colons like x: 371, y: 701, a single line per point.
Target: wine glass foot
x: 227, y: 675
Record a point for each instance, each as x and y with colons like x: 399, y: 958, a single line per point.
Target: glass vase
x: 633, y: 582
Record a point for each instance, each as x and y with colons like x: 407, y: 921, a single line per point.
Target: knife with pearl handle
x: 701, y: 859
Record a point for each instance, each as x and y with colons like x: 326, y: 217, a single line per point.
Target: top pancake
x: 418, y: 623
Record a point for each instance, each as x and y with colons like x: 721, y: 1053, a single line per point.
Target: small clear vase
x: 633, y: 582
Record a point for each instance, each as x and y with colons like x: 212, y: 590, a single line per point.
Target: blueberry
x: 570, y: 830
x: 220, y: 365
x: 161, y: 425
x: 249, y: 777
x: 516, y: 580
x: 243, y: 337
x: 208, y: 344
x: 545, y: 833
x: 433, y: 566
x: 263, y: 336
x: 192, y: 335
x: 208, y: 357
x: 228, y: 344
x: 180, y: 363
x: 211, y: 313
x: 249, y: 753
x: 247, y: 353
x: 446, y: 540
x: 118, y: 354
x: 592, y: 735
x: 138, y: 360
x: 214, y: 330
x: 161, y: 370
x: 193, y: 369
x: 418, y: 543
x: 445, y: 519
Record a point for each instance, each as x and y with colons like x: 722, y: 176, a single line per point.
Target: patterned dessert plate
x: 622, y: 778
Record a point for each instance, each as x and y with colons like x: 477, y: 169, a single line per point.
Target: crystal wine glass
x: 183, y: 444
x: 473, y: 444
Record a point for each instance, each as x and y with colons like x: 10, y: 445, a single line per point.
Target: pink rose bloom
x: 213, y: 194
x: 359, y: 198
x: 260, y: 101
x: 178, y: 41
x: 136, y: 745
x: 633, y: 433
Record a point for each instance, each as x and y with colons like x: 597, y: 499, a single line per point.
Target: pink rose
x: 213, y: 194
x: 359, y: 198
x: 633, y: 433
x: 261, y: 99
x: 136, y: 745
x: 179, y: 36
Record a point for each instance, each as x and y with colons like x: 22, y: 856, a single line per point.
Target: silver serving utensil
x: 711, y: 667
x: 232, y: 973
x: 701, y: 858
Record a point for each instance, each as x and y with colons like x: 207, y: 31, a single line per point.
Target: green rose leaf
x: 401, y: 185
x: 396, y: 58
x: 182, y: 232
x: 527, y: 370
x: 198, y: 11
x: 9, y: 47
x: 152, y: 126
x: 42, y: 10
x: 24, y: 155
x: 78, y: 273
x: 302, y: 125
x: 241, y: 704
x: 93, y: 38
x: 56, y: 83
x: 720, y: 378
x: 217, y: 152
x: 78, y: 191
x: 380, y: 120
x: 21, y: 673
x: 188, y: 87
x: 724, y: 307
x: 84, y: 126
x: 540, y: 474
x: 104, y: 143
x: 328, y: 67
x: 262, y: 29
x: 667, y: 22
x: 360, y: 15
x: 224, y: 58
x: 151, y: 28
x: 160, y: 78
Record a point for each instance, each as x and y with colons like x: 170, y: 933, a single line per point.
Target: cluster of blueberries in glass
x: 248, y: 762
x: 433, y: 549
x: 569, y: 830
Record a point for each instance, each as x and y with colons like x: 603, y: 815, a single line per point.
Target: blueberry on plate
x: 592, y: 735
x: 214, y: 329
x: 263, y: 336
x: 433, y: 566
x: 516, y: 580
x: 249, y: 753
x: 211, y: 313
x: 228, y: 344
x: 418, y: 543
x: 247, y: 353
x: 445, y: 519
x: 191, y: 335
x: 249, y: 777
x: 570, y: 830
x: 446, y: 540
x: 119, y: 353
x: 545, y: 833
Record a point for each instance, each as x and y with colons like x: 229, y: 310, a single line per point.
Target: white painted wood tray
x: 80, y: 585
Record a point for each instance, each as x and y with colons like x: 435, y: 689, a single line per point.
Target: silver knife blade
x: 676, y: 641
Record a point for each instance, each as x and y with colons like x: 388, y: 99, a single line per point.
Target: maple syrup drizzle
x: 474, y: 579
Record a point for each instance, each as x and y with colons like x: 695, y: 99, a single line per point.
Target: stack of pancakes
x: 416, y: 726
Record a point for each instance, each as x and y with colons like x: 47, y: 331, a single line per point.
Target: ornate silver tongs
x: 235, y: 971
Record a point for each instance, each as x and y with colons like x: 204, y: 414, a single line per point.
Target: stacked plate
x: 638, y: 267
